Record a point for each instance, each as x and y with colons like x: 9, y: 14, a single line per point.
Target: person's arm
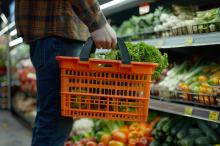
x: 89, y: 12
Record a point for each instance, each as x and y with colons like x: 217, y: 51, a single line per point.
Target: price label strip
x: 189, y: 41
x: 188, y: 111
x: 160, y: 43
x: 213, y: 116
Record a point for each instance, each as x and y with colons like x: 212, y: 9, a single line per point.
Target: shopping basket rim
x: 107, y: 60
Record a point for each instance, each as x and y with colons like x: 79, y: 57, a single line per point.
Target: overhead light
x: 4, y: 19
x: 111, y: 3
x: 15, y: 42
x: 13, y: 32
x: 5, y: 29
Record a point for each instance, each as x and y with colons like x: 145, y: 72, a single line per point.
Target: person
x: 53, y: 28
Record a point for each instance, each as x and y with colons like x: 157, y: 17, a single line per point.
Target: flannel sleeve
x: 90, y: 13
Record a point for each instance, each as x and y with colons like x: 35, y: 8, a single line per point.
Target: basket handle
x: 89, y: 47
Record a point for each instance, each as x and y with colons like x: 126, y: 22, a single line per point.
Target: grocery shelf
x: 185, y: 110
x: 185, y: 40
x: 27, y: 121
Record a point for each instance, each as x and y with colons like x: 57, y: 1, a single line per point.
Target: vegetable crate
x: 105, y: 89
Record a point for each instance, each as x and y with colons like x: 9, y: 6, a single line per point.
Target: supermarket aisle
x: 12, y: 133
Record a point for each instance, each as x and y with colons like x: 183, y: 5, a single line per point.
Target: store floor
x: 12, y: 133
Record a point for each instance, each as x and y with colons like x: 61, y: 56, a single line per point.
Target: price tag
x: 144, y: 8
x: 188, y: 111
x: 160, y: 43
x: 189, y: 41
x: 213, y: 116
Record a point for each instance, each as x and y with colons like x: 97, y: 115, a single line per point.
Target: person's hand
x: 104, y: 37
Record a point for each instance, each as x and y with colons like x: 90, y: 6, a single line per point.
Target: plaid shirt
x: 72, y: 19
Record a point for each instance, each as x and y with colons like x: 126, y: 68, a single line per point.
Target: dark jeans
x: 50, y: 128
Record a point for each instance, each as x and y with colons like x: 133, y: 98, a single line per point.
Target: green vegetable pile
x: 102, y: 127
x: 140, y: 24
x: 208, y: 16
x: 180, y: 131
x: 163, y: 19
x: 88, y: 128
x: 142, y: 52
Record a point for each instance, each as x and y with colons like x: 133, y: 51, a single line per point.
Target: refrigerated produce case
x: 179, y: 42
x: 3, y: 90
x: 3, y: 74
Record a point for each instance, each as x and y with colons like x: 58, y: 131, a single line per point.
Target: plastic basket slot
x: 94, y: 90
x: 78, y: 73
x: 84, y: 89
x: 107, y: 75
x: 113, y: 91
x: 102, y: 91
x: 73, y: 89
x: 90, y: 74
x: 75, y: 113
x: 104, y: 65
x: 94, y: 81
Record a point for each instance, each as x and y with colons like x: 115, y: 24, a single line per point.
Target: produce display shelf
x: 185, y: 110
x: 185, y: 40
x: 28, y: 122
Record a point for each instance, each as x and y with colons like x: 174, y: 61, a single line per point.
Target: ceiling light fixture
x: 110, y: 4
x: 13, y: 32
x: 15, y: 42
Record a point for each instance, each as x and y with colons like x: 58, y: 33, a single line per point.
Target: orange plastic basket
x: 105, y: 89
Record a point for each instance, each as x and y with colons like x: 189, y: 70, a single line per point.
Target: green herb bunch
x: 142, y: 52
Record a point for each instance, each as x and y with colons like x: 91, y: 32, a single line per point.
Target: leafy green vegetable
x: 140, y: 24
x: 143, y: 52
x: 102, y: 127
x: 76, y: 138
x: 211, y: 15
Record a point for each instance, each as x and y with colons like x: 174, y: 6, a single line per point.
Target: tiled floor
x: 12, y: 133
